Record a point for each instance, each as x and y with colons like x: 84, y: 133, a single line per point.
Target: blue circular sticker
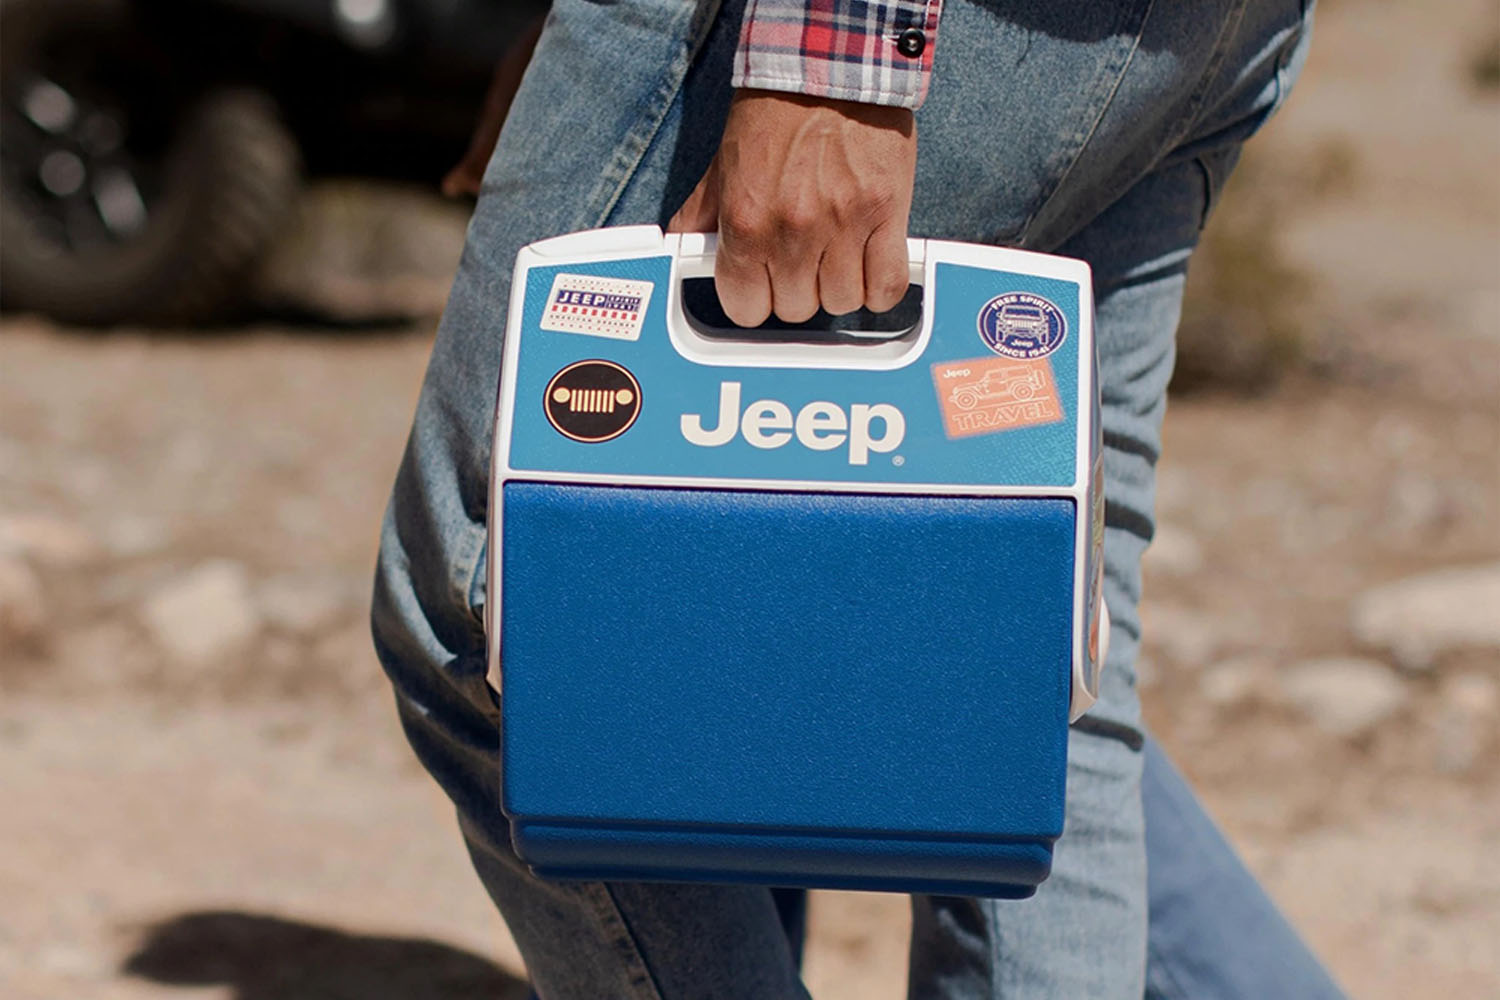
x: 1021, y: 325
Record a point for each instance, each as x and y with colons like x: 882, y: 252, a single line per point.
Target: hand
x: 810, y: 198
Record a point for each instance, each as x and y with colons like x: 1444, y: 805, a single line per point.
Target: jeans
x: 1101, y: 130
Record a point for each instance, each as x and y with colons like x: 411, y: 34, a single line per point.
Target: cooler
x: 806, y: 608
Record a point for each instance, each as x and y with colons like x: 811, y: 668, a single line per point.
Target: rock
x: 302, y: 604
x: 73, y: 962
x: 45, y: 539
x: 1236, y: 681
x: 207, y: 612
x: 1422, y: 618
x: 347, y: 659
x: 1472, y: 694
x: 1184, y: 636
x: 1468, y: 704
x: 106, y: 655
x: 1174, y: 551
x: 1415, y: 505
x: 23, y: 613
x: 281, y: 656
x: 128, y: 537
x: 363, y: 252
x: 1345, y: 696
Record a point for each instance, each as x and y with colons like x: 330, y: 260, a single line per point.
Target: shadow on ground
x: 270, y: 958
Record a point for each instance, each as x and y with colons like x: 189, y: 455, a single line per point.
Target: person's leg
x: 1214, y: 931
x: 604, y: 132
x: 1150, y: 108
x: 606, y: 79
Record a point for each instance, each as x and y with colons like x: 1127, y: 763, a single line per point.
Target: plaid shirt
x: 873, y: 51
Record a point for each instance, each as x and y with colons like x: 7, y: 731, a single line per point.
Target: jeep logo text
x: 820, y: 425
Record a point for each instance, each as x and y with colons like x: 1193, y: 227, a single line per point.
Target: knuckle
x: 743, y: 228
x: 885, y: 291
x: 840, y: 299
x: 875, y: 200
x: 846, y: 207
x: 798, y: 221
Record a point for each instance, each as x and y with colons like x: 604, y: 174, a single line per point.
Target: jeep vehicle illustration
x: 1016, y: 383
x: 1019, y: 321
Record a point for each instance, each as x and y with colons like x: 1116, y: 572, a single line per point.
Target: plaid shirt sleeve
x: 872, y: 51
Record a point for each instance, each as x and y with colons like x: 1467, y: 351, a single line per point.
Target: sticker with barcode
x: 597, y: 306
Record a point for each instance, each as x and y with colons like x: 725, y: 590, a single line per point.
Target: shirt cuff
x: 853, y: 50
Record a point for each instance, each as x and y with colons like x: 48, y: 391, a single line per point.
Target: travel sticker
x: 989, y: 395
x: 597, y: 306
x: 1021, y: 325
x: 592, y: 401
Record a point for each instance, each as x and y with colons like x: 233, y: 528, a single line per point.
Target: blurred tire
x: 119, y: 202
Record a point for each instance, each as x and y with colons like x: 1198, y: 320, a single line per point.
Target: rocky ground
x: 207, y: 796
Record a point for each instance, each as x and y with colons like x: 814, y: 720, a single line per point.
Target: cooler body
x: 763, y: 621
x: 870, y: 691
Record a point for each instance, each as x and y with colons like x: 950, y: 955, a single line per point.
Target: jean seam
x: 622, y: 940
x: 1163, y: 982
x: 634, y: 146
x: 1194, y: 109
x: 1087, y: 136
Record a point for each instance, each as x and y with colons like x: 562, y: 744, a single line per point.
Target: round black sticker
x: 592, y: 401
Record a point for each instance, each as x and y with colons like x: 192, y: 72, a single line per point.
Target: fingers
x: 741, y: 276
x: 810, y: 199
x: 841, y: 276
x: 794, y: 276
x: 757, y: 274
x: 885, y: 267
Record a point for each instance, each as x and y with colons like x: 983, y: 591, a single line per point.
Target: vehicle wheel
x: 966, y: 400
x: 119, y: 201
x: 1022, y: 391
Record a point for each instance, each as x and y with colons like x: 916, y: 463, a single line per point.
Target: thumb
x: 700, y: 213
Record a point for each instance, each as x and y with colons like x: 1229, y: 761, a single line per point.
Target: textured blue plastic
x: 786, y: 688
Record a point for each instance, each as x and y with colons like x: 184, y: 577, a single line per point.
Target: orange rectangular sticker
x: 989, y: 395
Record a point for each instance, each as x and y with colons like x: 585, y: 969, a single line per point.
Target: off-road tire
x: 231, y: 175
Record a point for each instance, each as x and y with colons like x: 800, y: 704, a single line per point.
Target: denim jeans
x: 1100, y: 129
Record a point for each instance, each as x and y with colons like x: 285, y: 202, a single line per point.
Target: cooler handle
x: 693, y: 256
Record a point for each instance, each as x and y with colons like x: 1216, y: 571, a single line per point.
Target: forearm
x: 812, y: 185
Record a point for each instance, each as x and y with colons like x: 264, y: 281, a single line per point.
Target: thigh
x: 591, y: 139
x: 1131, y: 114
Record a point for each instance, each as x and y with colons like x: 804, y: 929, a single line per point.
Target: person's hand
x: 810, y: 198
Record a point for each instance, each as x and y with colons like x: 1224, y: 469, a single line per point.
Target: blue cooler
x: 811, y: 609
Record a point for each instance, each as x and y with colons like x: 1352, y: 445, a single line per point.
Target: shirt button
x: 911, y: 42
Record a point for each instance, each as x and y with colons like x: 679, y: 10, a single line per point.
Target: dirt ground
x: 206, y: 795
